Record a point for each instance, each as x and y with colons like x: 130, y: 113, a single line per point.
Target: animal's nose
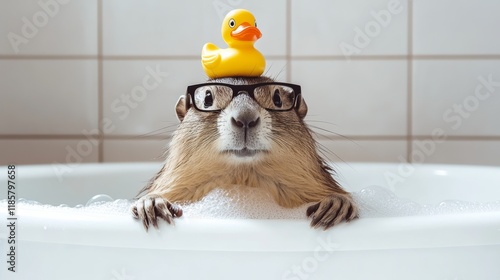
x: 245, y: 114
x: 245, y: 121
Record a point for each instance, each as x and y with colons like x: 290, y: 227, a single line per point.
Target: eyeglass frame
x: 239, y: 89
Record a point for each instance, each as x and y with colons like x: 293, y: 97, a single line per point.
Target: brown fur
x: 292, y: 171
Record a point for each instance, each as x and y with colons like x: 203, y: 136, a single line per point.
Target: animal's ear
x: 182, y: 107
x: 302, y: 107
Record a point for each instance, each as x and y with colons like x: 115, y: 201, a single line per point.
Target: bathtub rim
x: 380, y: 233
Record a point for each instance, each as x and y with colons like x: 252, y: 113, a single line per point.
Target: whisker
x: 155, y: 132
x: 168, y: 130
x: 324, y: 151
x: 276, y: 78
x: 267, y: 70
x: 328, y: 131
x: 321, y: 121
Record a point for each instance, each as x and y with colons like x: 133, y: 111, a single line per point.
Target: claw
x: 134, y: 212
x: 324, y: 207
x: 150, y: 208
x: 162, y: 210
x: 331, y: 211
x: 175, y: 210
x: 311, y: 209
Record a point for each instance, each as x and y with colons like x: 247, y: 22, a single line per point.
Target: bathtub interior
x: 424, y: 184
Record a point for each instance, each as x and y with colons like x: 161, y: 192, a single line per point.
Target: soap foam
x: 251, y: 203
x: 377, y: 201
x: 241, y: 203
x: 114, y: 207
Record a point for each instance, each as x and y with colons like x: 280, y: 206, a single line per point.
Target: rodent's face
x: 244, y: 132
x: 244, y: 129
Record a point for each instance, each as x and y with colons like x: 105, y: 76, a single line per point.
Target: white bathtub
x: 59, y: 244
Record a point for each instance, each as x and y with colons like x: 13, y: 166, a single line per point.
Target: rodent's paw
x: 153, y: 206
x: 332, y: 210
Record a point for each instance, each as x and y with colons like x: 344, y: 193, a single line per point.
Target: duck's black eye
x: 232, y: 23
x: 209, y: 99
x: 277, y: 99
x: 255, y: 24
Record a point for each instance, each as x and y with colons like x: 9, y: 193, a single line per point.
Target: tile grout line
x: 288, y: 54
x: 81, y: 137
x: 297, y: 57
x: 100, y: 98
x: 409, y: 144
x: 319, y: 136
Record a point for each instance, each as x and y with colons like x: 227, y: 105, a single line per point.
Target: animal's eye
x: 277, y: 99
x: 255, y: 24
x: 232, y: 23
x: 209, y: 99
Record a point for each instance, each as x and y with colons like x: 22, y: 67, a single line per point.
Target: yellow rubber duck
x: 239, y: 31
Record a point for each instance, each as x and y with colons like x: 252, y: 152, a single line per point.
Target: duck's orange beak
x: 246, y: 32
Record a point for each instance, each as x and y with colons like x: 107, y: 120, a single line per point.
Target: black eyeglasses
x: 272, y: 96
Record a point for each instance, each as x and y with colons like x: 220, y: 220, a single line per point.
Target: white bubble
x: 377, y: 201
x: 99, y: 199
x: 28, y: 201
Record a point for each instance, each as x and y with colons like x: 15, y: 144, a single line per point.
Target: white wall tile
x: 321, y: 27
x: 156, y: 110
x: 134, y: 150
x: 157, y: 27
x: 141, y: 115
x: 363, y: 150
x: 456, y: 27
x: 43, y: 151
x: 355, y: 98
x: 48, y: 96
x: 48, y: 27
x: 462, y: 152
x: 444, y: 97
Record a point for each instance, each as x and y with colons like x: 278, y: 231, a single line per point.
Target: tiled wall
x: 392, y: 80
